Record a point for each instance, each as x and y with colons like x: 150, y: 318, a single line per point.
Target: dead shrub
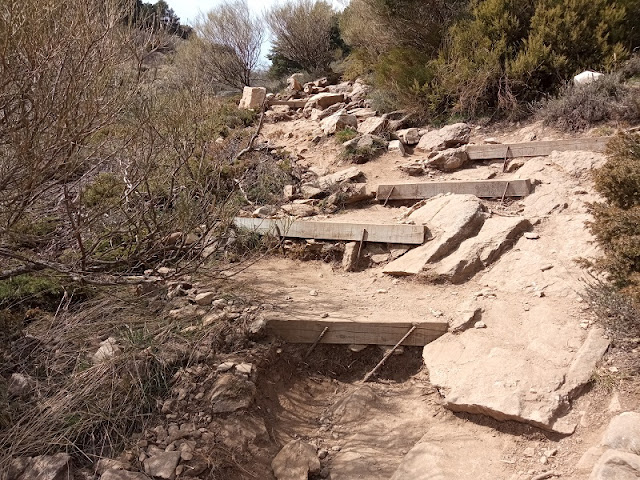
x: 579, y: 107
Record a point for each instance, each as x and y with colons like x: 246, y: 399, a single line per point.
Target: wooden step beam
x: 479, y: 188
x: 358, y: 333
x: 535, y: 149
x: 350, y: 232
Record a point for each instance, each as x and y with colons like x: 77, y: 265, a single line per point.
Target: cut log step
x: 359, y: 333
x: 535, y: 149
x: 479, y: 188
x: 406, y: 234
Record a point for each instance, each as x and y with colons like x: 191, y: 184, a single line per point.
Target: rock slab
x: 474, y: 254
x: 451, y: 219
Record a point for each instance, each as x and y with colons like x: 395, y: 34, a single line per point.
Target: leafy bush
x: 345, y: 135
x: 578, y: 107
x: 494, y: 56
x: 616, y: 223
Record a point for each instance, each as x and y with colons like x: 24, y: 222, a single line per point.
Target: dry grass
x: 91, y: 410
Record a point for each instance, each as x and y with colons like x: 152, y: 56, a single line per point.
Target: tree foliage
x: 228, y: 43
x: 304, y: 34
x: 486, y: 56
x: 102, y: 173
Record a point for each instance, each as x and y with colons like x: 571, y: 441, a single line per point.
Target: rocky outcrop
x: 496, y: 235
x: 451, y: 219
x: 480, y: 374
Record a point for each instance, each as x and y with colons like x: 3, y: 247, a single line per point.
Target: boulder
x: 318, y: 115
x: 162, y: 465
x: 496, y: 236
x: 449, y: 160
x: 252, y: 98
x: 123, y: 475
x: 309, y: 191
x: 20, y: 385
x: 355, y: 192
x: 230, y: 393
x: 372, y: 126
x: 205, y: 298
x: 349, y: 258
x: 323, y: 100
x: 588, y: 76
x: 396, y: 146
x: 294, y: 82
x: 616, y: 465
x: 451, y: 219
x: 408, y: 136
x: 623, y: 433
x: 45, y: 467
x: 363, y: 113
x: 451, y: 136
x: 296, y: 461
x: 108, y: 349
x: 359, y: 92
x: 338, y: 121
x: 347, y: 175
x: 299, y: 209
x: 414, y: 169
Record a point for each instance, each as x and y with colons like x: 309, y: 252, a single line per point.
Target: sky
x: 188, y: 10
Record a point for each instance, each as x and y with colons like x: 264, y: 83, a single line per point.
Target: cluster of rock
x: 617, y: 456
x: 318, y: 191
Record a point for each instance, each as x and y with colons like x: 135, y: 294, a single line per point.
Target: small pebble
x: 531, y: 236
x: 480, y: 325
x: 313, y: 293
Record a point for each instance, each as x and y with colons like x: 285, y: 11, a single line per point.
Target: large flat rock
x: 451, y: 219
x: 533, y: 356
x: 516, y: 369
x: 455, y: 450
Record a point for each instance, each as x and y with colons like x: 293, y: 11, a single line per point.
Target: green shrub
x: 616, y: 223
x: 31, y: 290
x: 578, y: 107
x: 345, y: 135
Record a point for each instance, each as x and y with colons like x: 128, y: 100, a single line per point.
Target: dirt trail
x: 514, y: 369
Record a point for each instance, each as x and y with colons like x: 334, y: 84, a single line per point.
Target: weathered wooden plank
x: 360, y: 333
x: 479, y: 188
x: 409, y: 234
x: 289, y: 103
x: 535, y: 149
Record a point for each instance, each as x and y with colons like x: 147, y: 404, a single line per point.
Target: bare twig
x: 388, y: 354
x: 255, y: 135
